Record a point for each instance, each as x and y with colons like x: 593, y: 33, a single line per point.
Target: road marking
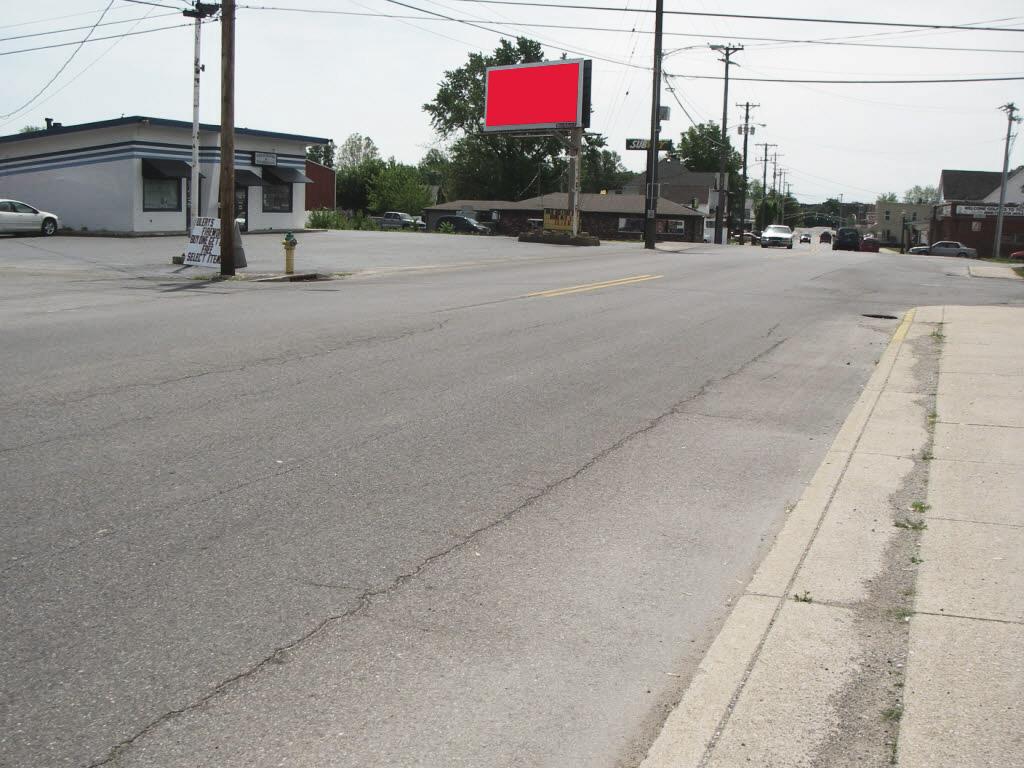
x: 901, y: 332
x: 594, y: 286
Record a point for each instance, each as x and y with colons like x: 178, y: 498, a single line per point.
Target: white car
x: 777, y: 234
x: 16, y: 216
x: 952, y: 248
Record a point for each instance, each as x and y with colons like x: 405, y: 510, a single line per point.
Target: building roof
x: 968, y: 185
x: 157, y: 121
x: 629, y: 204
x: 673, y: 172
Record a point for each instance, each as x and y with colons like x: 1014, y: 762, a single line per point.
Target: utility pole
x: 727, y: 51
x: 227, y: 139
x: 198, y: 12
x: 1011, y: 117
x: 746, y: 130
x: 840, y: 210
x: 782, y: 196
x: 764, y: 182
x: 651, y: 200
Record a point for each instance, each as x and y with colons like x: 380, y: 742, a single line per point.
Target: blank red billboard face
x: 548, y: 95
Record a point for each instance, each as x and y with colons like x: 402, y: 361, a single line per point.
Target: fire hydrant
x: 289, y: 244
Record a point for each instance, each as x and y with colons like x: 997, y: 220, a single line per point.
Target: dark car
x: 870, y: 244
x: 846, y: 239
x: 462, y: 224
x: 825, y: 237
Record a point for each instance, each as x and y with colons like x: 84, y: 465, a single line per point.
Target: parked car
x: 869, y: 244
x: 1017, y: 255
x: 777, y: 235
x: 399, y: 220
x: 825, y: 237
x: 462, y: 224
x: 805, y: 237
x: 919, y: 249
x: 952, y: 248
x: 846, y: 239
x: 16, y: 216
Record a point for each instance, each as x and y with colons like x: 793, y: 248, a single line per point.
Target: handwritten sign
x: 203, y: 249
x: 557, y: 220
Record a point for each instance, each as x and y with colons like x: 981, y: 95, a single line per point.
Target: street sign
x: 664, y: 145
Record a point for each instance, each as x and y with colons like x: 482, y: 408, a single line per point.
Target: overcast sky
x: 332, y: 75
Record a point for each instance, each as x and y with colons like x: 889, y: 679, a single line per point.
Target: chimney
x: 49, y: 123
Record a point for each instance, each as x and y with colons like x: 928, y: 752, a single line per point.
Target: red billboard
x: 547, y: 95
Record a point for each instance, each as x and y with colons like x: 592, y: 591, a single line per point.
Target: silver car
x: 16, y: 216
x: 952, y: 248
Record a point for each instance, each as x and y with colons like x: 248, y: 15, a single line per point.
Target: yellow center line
x: 594, y: 286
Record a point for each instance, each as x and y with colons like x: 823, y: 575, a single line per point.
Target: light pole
x: 199, y: 11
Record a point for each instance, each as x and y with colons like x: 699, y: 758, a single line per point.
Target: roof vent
x: 49, y: 123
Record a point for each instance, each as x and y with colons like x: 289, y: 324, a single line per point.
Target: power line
x: 93, y: 40
x: 50, y: 18
x: 75, y: 29
x: 62, y: 66
x: 178, y: 8
x: 854, y: 82
x: 755, y: 17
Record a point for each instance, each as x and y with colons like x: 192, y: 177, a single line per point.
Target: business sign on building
x: 664, y: 145
x: 557, y: 219
x: 543, y: 96
x: 972, y: 209
x: 203, y: 249
x: 264, y: 158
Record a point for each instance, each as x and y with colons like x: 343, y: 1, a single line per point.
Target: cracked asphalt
x: 411, y: 518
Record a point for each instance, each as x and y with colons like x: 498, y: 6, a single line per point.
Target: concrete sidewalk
x: 886, y: 624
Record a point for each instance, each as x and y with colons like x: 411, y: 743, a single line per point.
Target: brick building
x: 970, y: 203
x: 609, y: 217
x: 322, y: 189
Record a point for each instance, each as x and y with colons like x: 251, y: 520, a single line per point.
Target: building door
x: 242, y: 207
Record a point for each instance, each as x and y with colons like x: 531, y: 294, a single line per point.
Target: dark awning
x: 153, y: 168
x: 244, y: 178
x: 285, y: 175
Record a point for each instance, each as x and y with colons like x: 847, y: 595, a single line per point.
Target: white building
x: 131, y: 175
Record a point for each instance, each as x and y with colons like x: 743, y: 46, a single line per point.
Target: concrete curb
x: 694, y: 726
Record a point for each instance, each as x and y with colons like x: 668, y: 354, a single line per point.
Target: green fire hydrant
x: 289, y: 244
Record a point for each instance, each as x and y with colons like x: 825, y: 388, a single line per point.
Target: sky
x: 333, y: 74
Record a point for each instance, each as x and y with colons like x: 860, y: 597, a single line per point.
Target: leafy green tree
x: 353, y: 183
x: 600, y: 168
x: 435, y: 169
x: 398, y: 187
x: 918, y: 194
x: 888, y: 197
x: 322, y: 154
x: 700, y: 147
x: 356, y: 150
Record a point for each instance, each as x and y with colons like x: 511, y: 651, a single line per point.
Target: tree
x: 920, y: 195
x: 353, y: 184
x: 435, y: 170
x: 888, y: 197
x: 398, y: 187
x: 356, y: 150
x: 29, y: 129
x: 323, y: 154
x: 600, y: 168
x: 700, y: 148
x: 500, y: 167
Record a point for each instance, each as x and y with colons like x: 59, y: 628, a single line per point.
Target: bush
x: 446, y: 227
x: 326, y: 218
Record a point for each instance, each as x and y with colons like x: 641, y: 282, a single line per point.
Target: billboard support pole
x: 575, y: 149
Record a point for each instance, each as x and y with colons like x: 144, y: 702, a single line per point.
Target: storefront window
x: 277, y: 198
x: 161, y: 194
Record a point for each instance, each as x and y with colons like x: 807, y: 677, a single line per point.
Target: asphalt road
x: 419, y: 517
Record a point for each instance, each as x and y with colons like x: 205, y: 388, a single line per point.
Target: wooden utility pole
x: 651, y: 198
x: 727, y: 51
x: 1011, y: 117
x: 746, y: 130
x: 764, y: 184
x: 227, y: 139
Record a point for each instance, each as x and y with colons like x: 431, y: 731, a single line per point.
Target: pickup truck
x: 399, y: 220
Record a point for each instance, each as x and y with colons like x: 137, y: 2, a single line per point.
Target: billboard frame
x: 582, y: 100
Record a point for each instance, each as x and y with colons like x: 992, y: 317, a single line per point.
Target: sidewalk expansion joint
x: 974, y: 522
x: 943, y: 615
